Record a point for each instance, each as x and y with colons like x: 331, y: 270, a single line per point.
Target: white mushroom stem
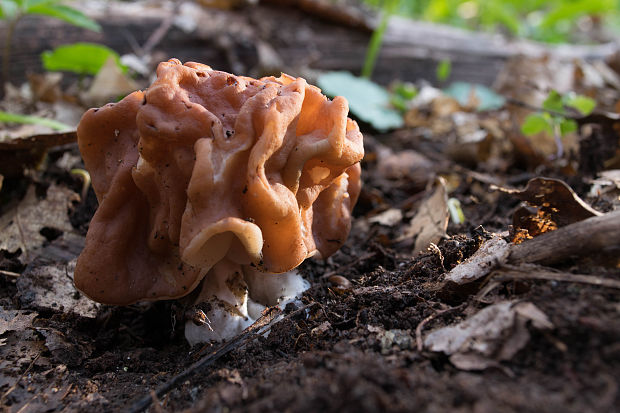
x: 233, y: 296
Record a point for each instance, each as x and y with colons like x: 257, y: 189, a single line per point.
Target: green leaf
x: 583, y: 104
x: 367, y: 101
x: 535, y: 123
x: 399, y: 103
x: 65, y: 13
x: 7, y: 117
x: 80, y: 58
x: 443, y: 70
x: 553, y: 102
x: 487, y: 99
x: 567, y: 126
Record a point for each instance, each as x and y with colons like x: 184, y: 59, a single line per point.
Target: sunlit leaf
x: 367, y: 100
x: 81, y: 58
x: 6, y: 117
x: 8, y: 9
x: 583, y: 104
x: 535, y: 123
x: 553, y: 102
x: 65, y: 13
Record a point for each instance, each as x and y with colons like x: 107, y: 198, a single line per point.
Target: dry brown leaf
x: 21, y: 226
x: 50, y: 288
x: 389, y: 218
x: 45, y: 87
x: 109, y: 84
x: 406, y: 164
x: 494, y: 334
x: 15, y: 320
x: 64, y: 349
x: 430, y: 222
x: 555, y: 205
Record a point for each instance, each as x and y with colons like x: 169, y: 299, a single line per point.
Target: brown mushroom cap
x: 205, y: 165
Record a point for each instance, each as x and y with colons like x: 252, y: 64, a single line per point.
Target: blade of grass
x: 377, y: 38
x: 6, y: 117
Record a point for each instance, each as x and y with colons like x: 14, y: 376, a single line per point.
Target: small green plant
x: 444, y: 68
x: 555, y: 117
x: 546, y: 20
x: 14, y: 10
x: 401, y: 94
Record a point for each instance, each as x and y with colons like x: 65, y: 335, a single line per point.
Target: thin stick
x: 14, y: 386
x: 262, y: 325
x: 10, y: 273
x: 349, y: 265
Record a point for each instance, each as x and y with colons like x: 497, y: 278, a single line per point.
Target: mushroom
x: 215, y: 178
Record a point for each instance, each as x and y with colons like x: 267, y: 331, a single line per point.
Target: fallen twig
x: 261, y: 326
x: 10, y: 273
x: 420, y: 327
x: 535, y: 272
x: 14, y: 386
x: 349, y: 265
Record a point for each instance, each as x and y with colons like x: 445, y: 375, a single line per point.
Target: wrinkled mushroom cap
x: 205, y: 165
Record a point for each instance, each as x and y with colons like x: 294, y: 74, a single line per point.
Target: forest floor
x: 381, y: 328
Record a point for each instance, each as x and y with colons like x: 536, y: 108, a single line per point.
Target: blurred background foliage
x: 552, y: 21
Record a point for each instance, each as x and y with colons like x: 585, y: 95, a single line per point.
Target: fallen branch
x: 594, y: 234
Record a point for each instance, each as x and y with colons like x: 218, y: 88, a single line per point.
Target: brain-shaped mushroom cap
x: 205, y: 165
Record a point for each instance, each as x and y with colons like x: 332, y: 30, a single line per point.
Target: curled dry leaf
x: 494, y: 334
x: 555, y: 205
x: 430, y: 222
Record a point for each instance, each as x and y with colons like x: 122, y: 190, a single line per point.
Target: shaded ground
x: 354, y: 349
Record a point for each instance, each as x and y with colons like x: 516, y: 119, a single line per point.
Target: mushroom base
x: 233, y: 296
